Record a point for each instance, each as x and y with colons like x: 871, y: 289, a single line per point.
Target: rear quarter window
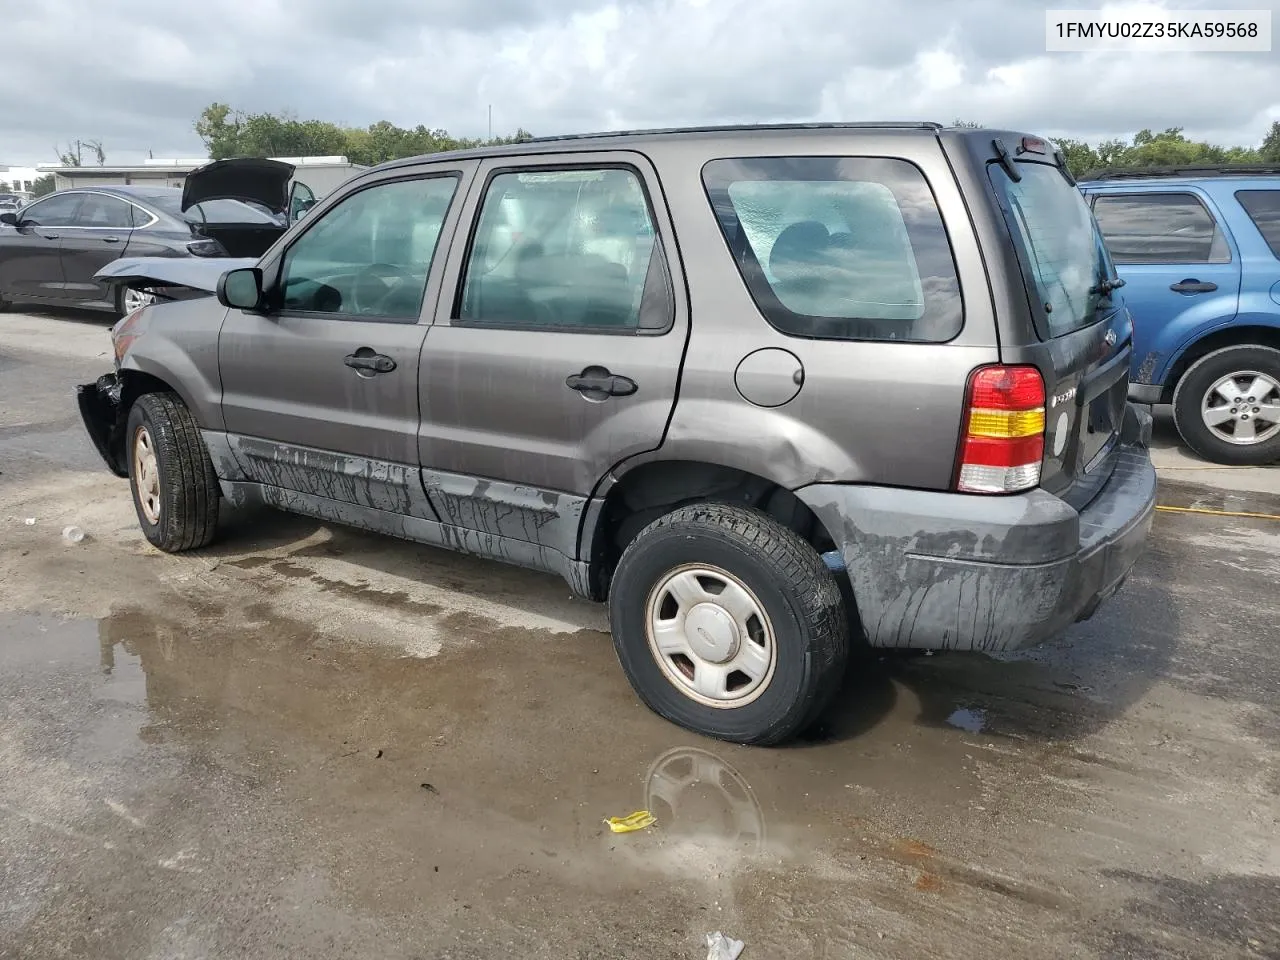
x: 1263, y: 208
x: 839, y: 248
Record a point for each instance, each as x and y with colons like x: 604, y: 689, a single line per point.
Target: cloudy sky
x: 136, y: 73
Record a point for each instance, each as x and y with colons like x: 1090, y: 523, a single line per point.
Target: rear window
x: 839, y: 248
x: 1263, y: 207
x: 1059, y: 243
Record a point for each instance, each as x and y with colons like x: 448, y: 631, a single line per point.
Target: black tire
x: 796, y: 590
x: 1198, y: 380
x: 189, y: 497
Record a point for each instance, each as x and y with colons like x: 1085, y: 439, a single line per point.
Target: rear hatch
x: 1082, y: 333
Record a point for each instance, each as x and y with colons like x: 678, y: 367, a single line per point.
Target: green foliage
x: 230, y: 133
x: 43, y: 186
x: 1168, y: 148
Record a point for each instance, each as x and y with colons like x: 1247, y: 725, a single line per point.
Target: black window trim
x: 659, y: 249
x: 1213, y: 218
x: 1275, y: 250
x: 275, y: 267
x: 946, y: 231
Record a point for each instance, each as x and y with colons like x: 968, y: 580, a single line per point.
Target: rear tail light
x: 206, y: 248
x: 1003, y: 443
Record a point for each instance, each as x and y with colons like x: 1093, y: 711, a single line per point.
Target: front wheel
x: 1227, y: 406
x: 729, y: 624
x: 175, y: 489
x: 128, y: 300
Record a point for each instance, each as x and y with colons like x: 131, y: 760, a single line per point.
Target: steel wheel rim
x: 710, y: 636
x: 136, y: 300
x: 1242, y: 408
x: 146, y: 474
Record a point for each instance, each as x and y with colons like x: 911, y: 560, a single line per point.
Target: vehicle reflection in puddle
x: 695, y: 794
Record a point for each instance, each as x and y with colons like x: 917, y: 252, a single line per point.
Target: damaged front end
x: 103, y: 415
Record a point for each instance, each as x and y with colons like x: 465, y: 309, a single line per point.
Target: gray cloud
x: 136, y: 73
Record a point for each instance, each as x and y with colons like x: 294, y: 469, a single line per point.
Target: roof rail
x: 1202, y: 170
x: 731, y: 128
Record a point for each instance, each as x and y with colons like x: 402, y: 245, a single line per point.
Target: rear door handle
x: 366, y: 363
x: 110, y: 239
x: 596, y: 383
x: 1193, y: 286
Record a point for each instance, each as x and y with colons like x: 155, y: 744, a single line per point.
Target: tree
x: 73, y: 156
x: 1269, y: 152
x: 227, y: 132
x: 44, y: 185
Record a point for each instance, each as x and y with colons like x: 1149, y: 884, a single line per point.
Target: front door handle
x: 110, y: 239
x: 1193, y: 286
x: 597, y: 383
x: 366, y: 363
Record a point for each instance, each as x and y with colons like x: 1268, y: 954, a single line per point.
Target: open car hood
x: 244, y: 178
x: 196, y: 273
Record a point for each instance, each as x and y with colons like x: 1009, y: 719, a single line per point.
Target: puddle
x: 968, y: 719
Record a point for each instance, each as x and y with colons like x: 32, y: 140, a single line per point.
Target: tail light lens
x: 206, y: 248
x: 1003, y: 443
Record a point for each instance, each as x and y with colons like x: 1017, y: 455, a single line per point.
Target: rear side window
x: 1160, y: 228
x: 1263, y: 207
x: 573, y: 249
x: 839, y: 248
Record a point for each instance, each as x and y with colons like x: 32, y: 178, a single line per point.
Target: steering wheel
x: 374, y: 284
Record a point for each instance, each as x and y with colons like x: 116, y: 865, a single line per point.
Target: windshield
x: 213, y: 211
x: 1059, y: 243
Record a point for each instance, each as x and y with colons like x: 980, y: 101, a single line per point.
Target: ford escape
x: 705, y: 375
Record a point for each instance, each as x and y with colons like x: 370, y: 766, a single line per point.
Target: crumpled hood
x: 243, y: 178
x: 198, y: 273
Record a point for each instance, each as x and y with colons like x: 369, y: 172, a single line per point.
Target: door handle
x: 110, y: 239
x: 366, y: 363
x: 597, y: 383
x: 1193, y: 286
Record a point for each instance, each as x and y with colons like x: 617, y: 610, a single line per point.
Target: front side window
x: 573, y: 249
x: 1160, y: 228
x: 1263, y: 208
x: 839, y: 247
x: 369, y: 256
x: 99, y: 210
x: 58, y: 211
x: 1059, y: 245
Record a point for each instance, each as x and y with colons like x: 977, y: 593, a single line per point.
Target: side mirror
x: 10, y: 218
x: 241, y: 289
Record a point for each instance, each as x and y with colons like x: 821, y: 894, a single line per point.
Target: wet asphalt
x: 312, y: 742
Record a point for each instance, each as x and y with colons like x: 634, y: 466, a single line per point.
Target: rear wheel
x: 1227, y: 405
x: 175, y: 490
x: 729, y: 624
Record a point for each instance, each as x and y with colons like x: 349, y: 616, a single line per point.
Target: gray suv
x: 705, y: 375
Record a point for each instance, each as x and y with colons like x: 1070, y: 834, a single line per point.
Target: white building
x: 321, y: 174
x: 19, y: 179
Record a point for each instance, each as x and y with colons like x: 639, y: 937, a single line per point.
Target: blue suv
x: 1199, y: 251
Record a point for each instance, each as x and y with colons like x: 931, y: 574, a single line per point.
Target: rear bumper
x: 952, y: 571
x: 100, y: 410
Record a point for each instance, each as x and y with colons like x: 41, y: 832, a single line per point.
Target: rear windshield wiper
x: 1106, y: 286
